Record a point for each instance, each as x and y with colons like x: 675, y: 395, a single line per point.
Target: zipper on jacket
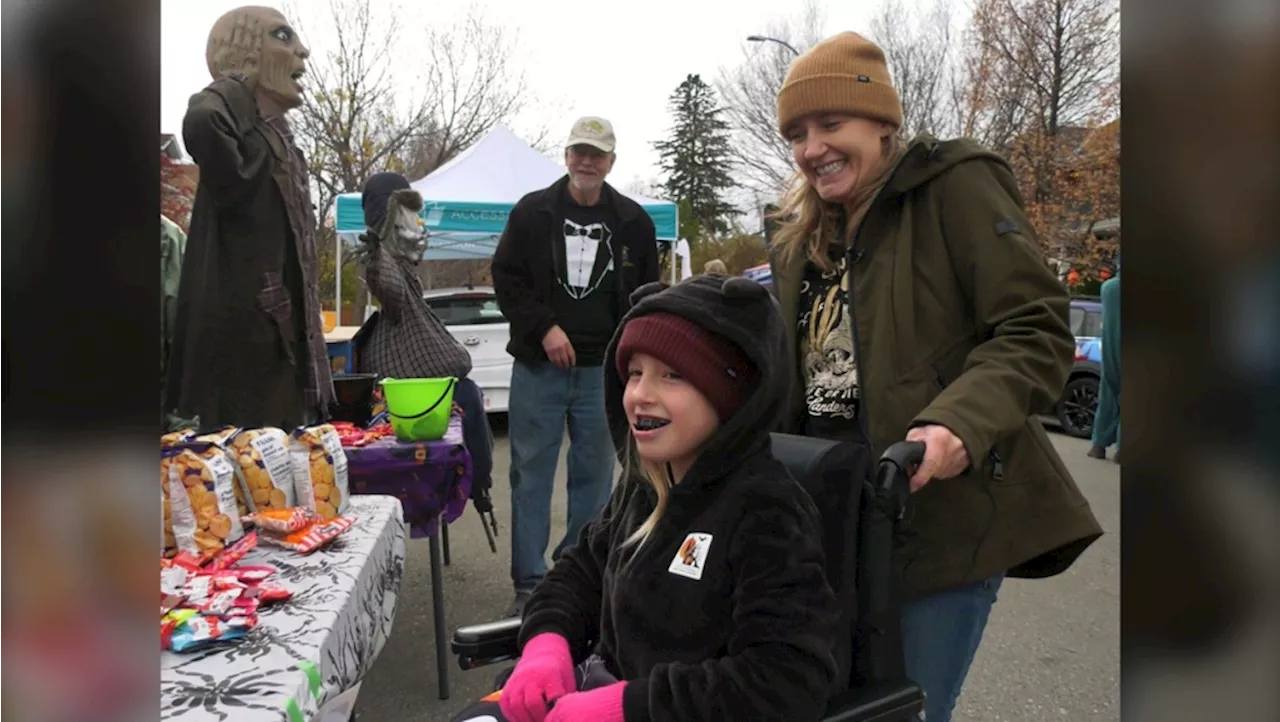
x: 997, y: 466
x: 854, y: 255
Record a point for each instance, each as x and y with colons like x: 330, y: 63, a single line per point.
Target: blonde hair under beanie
x: 845, y: 73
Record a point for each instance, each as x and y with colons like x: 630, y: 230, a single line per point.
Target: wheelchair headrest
x: 806, y: 457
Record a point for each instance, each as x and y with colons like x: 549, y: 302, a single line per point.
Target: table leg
x: 444, y: 536
x: 437, y: 601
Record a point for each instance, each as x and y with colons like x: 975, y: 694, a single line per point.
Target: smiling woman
x: 918, y: 305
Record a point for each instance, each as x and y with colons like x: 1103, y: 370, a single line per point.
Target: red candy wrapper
x: 219, y: 603
x: 234, y: 553
x: 270, y: 593
x: 313, y: 537
x: 187, y: 560
x: 247, y: 575
x: 282, y: 521
x: 351, y: 435
x: 169, y: 602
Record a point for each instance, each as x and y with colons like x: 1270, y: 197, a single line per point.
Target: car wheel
x: 1078, y: 405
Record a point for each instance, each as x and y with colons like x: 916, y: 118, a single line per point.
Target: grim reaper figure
x: 247, y: 347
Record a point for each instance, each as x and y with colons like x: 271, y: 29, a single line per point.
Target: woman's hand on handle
x: 944, y: 455
x: 544, y: 674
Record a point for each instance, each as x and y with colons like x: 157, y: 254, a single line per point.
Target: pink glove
x: 544, y: 673
x: 602, y: 704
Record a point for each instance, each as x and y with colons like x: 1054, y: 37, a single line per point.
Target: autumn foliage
x: 1036, y: 80
x: 1041, y: 84
x: 177, y: 191
x: 1071, y: 185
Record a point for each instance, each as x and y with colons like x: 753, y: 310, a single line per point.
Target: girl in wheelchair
x: 700, y: 591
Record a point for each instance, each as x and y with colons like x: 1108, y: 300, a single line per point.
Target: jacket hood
x: 743, y: 312
x: 927, y: 158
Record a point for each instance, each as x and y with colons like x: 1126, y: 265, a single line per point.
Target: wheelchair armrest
x: 483, y: 644
x: 882, y: 701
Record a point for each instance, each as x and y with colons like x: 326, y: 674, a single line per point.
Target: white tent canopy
x: 467, y: 200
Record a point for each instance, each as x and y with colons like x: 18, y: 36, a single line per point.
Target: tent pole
x: 675, y: 262
x: 337, y: 278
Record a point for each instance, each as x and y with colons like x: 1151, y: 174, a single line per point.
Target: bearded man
x: 563, y: 271
x: 247, y: 347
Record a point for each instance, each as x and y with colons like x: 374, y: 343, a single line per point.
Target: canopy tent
x: 466, y: 201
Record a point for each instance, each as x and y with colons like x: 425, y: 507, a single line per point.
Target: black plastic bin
x: 354, y: 394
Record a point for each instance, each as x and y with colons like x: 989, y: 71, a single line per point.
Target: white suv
x: 473, y: 317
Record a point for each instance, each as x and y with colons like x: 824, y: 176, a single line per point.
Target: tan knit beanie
x: 845, y: 73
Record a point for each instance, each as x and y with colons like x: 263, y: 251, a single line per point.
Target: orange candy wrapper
x: 311, y: 538
x: 282, y: 521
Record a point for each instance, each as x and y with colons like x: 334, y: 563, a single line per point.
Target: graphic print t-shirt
x: 827, y: 361
x: 585, y: 298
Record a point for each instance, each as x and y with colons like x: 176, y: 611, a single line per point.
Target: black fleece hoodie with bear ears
x: 725, y: 612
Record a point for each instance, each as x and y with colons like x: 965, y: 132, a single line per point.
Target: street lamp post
x: 766, y: 39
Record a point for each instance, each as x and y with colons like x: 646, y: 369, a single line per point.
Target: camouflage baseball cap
x: 593, y: 131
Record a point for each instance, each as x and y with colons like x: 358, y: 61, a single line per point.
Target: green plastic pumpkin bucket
x: 419, y: 408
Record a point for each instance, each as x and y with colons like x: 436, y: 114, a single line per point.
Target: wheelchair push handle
x: 898, y: 462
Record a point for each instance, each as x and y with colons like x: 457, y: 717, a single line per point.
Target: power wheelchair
x: 860, y: 508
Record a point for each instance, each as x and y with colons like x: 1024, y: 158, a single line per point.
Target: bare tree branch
x: 366, y: 110
x: 917, y: 51
x: 762, y: 158
x: 1040, y: 80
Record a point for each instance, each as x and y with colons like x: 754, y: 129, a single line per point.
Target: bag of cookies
x: 168, y: 441
x: 320, y: 470
x: 174, y: 438
x: 266, y: 467
x: 219, y: 443
x: 221, y: 436
x: 202, y: 502
x: 169, y: 447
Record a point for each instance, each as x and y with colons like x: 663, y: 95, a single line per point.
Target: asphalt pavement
x: 1051, y: 649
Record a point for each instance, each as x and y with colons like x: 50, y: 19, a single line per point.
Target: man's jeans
x: 543, y: 398
x: 940, y: 635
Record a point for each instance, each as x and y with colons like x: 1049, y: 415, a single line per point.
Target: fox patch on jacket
x: 724, y: 613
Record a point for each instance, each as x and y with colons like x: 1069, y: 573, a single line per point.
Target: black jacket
x: 524, y: 264
x: 751, y: 639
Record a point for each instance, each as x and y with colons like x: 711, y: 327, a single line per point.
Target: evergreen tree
x: 696, y: 158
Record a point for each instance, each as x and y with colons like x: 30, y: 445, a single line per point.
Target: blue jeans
x: 543, y: 399
x: 476, y: 433
x: 940, y: 635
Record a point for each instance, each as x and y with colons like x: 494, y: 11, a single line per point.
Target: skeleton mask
x: 260, y: 43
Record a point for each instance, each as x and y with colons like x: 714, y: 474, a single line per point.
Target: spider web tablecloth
x: 307, y: 650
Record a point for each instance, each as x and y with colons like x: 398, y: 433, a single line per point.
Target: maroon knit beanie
x: 713, y: 364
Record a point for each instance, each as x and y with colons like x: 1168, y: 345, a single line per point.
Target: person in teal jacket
x: 173, y: 244
x: 1106, y: 422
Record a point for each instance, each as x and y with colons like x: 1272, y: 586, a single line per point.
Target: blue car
x: 1079, y: 401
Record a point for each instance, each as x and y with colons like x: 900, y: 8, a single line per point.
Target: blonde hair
x: 636, y: 469
x: 715, y: 267
x: 807, y: 223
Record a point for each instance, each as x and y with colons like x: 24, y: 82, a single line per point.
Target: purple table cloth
x: 430, y: 478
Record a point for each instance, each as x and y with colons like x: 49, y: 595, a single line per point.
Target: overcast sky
x: 618, y: 60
